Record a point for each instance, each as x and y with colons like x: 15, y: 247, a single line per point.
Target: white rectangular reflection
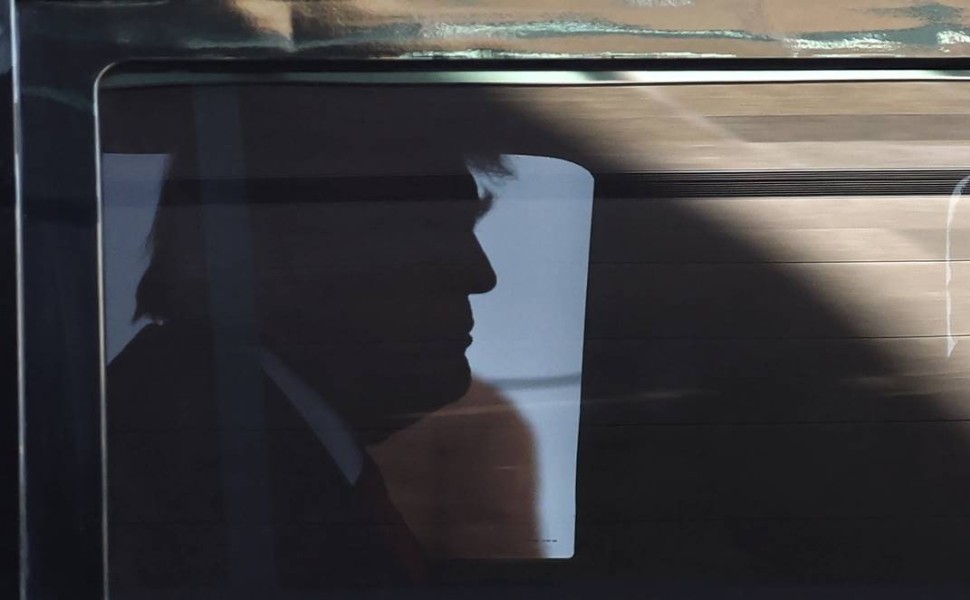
x: 529, y: 330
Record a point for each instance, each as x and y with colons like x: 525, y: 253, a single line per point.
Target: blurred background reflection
x: 775, y: 358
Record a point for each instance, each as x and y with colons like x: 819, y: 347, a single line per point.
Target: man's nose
x: 479, y: 277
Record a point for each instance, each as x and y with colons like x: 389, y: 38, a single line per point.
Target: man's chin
x: 428, y: 388
x: 395, y: 400
x: 385, y: 392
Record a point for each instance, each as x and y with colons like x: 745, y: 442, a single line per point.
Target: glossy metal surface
x: 506, y: 29
x: 9, y: 277
x: 65, y: 46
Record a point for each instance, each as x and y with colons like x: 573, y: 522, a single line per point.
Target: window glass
x: 334, y: 336
x: 370, y: 334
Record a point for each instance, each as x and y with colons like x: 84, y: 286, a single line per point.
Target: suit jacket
x: 170, y: 512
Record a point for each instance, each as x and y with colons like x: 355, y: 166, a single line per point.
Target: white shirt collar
x: 326, y: 424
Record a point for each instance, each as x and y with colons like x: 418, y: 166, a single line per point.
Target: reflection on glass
x: 289, y: 398
x: 770, y: 347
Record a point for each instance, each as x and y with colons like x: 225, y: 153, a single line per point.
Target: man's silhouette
x: 354, y: 324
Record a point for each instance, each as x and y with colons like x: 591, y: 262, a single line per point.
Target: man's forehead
x: 409, y: 189
x: 374, y: 163
x: 321, y: 162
